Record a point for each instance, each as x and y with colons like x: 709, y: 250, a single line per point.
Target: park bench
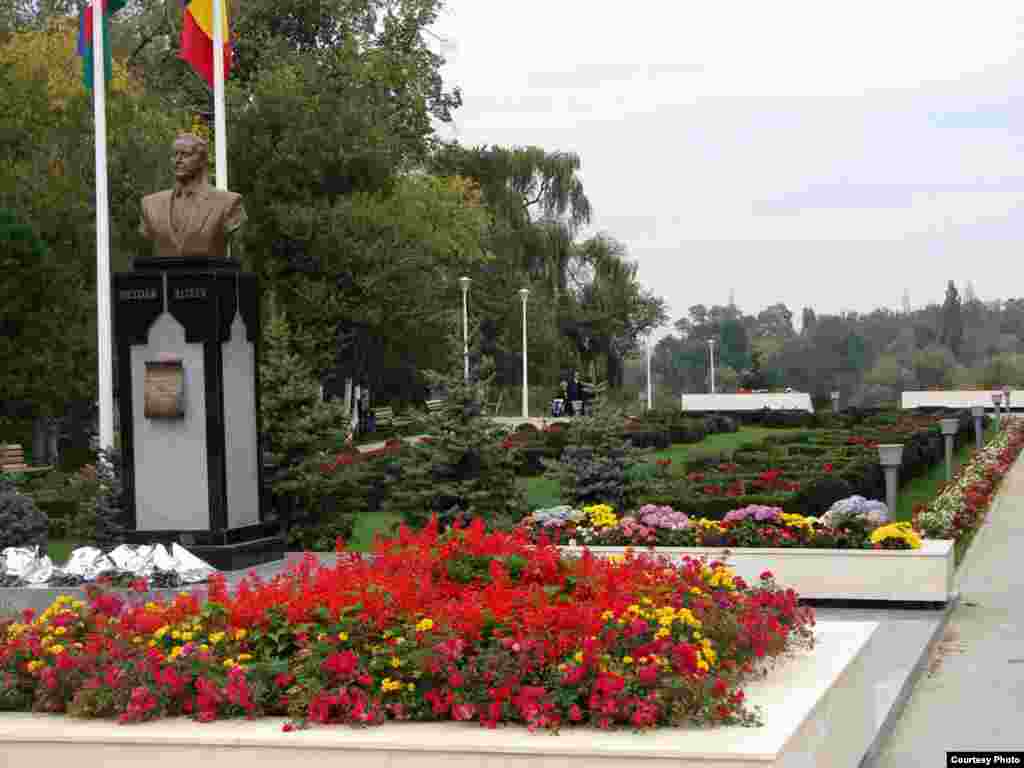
x: 385, y: 418
x: 434, y: 406
x: 12, y: 459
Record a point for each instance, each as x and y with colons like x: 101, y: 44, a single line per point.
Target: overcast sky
x: 823, y: 154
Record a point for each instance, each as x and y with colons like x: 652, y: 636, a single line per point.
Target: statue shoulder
x: 225, y: 197
x: 157, y: 197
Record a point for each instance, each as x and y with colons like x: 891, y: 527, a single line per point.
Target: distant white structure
x: 780, y: 401
x: 957, y: 398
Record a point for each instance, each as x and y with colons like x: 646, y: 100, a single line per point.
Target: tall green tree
x: 952, y: 334
x: 45, y: 326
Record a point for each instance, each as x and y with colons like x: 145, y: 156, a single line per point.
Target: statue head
x: 191, y: 155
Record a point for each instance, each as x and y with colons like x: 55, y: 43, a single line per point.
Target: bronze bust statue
x: 193, y: 220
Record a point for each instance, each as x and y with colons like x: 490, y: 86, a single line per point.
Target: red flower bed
x: 466, y: 626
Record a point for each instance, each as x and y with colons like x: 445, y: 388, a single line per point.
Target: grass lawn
x: 922, y: 489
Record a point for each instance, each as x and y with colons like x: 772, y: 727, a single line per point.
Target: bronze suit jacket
x: 215, y: 216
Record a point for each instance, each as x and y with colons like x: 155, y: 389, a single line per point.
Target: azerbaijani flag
x: 85, y: 22
x: 197, y: 37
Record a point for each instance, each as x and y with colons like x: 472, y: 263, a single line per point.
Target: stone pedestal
x: 187, y: 336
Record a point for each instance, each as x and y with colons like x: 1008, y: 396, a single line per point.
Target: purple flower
x: 760, y: 512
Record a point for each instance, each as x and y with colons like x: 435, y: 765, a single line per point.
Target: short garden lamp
x: 978, y: 413
x: 997, y: 398
x: 835, y: 401
x: 1006, y: 399
x: 890, y: 457
x: 949, y: 429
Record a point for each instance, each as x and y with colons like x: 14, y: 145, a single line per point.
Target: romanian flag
x: 85, y: 22
x: 197, y: 37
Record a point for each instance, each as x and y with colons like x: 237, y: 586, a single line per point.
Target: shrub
x: 22, y: 523
x: 816, y: 497
x: 463, y: 469
x: 717, y: 422
x: 596, y: 462
x: 658, y: 439
x: 101, y: 515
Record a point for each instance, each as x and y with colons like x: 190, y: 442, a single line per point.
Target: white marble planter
x: 918, y: 575
x: 819, y: 709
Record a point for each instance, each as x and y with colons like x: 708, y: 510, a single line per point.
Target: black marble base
x: 194, y: 265
x: 242, y: 555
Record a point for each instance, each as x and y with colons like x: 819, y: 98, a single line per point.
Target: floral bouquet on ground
x: 465, y: 626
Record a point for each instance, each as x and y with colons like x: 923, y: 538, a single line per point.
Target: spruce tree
x: 952, y: 334
x: 297, y: 425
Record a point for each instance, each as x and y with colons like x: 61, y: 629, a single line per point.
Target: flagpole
x: 103, y: 323
x: 219, y: 120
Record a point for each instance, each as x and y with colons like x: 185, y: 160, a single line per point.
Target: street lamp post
x: 523, y: 293
x: 711, y: 350
x: 949, y: 429
x: 978, y: 413
x: 890, y: 457
x: 464, y: 282
x: 997, y: 398
x: 1006, y: 400
x: 650, y: 385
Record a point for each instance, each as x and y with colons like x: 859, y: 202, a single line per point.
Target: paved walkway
x: 972, y: 695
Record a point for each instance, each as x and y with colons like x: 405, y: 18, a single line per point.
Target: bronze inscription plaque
x: 164, y: 389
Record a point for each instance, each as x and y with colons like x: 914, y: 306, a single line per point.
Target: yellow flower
x: 60, y: 630
x: 240, y: 634
x: 175, y: 652
x: 216, y: 637
x: 229, y: 663
x: 411, y: 686
x: 663, y: 632
x: 396, y: 662
x: 627, y: 660
x: 387, y: 684
x: 578, y: 656
x: 161, y: 632
x: 343, y: 636
x: 137, y: 639
x: 186, y: 636
x: 244, y: 657
x: 898, y: 531
x: 425, y: 625
x: 607, y: 615
x: 176, y: 635
x: 204, y: 648
x: 56, y: 649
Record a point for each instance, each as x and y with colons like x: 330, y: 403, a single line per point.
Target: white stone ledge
x: 927, y: 574
x: 818, y: 710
